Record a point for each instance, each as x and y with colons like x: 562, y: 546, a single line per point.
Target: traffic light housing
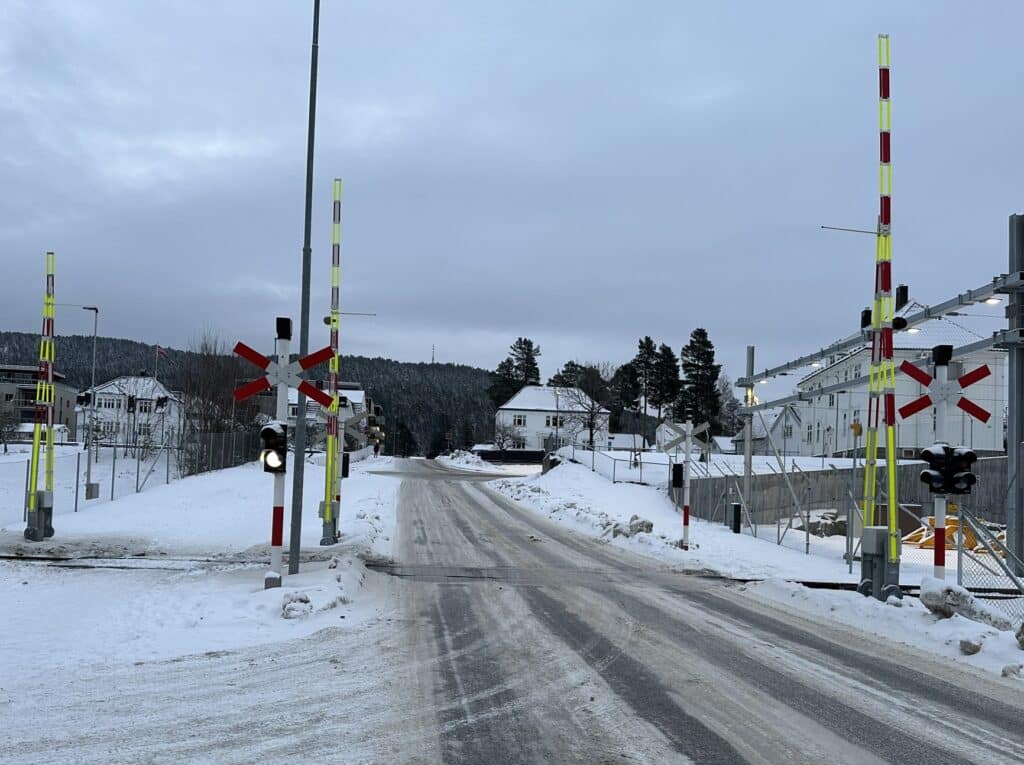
x: 938, y: 458
x: 949, y: 469
x: 344, y: 464
x: 962, y: 478
x: 274, y: 454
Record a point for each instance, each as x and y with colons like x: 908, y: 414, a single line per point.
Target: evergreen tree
x: 567, y: 376
x: 524, y: 355
x: 504, y: 384
x: 519, y: 369
x: 730, y: 407
x: 699, y: 399
x: 404, y: 442
x: 625, y: 390
x: 644, y: 363
x: 666, y: 378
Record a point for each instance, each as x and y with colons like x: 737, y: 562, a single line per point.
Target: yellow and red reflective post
x: 882, y: 374
x: 40, y: 505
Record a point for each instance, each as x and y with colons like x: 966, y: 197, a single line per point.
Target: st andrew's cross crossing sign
x: 289, y: 374
x: 944, y: 391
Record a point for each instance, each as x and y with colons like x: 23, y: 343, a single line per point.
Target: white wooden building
x: 540, y: 418
x: 827, y: 419
x: 130, y: 409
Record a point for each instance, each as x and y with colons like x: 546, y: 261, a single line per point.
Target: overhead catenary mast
x: 882, y: 376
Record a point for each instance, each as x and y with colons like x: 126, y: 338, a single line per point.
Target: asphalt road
x: 531, y: 644
x: 499, y: 637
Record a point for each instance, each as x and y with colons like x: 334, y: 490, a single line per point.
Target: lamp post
x: 558, y: 443
x: 300, y: 420
x: 91, y: 490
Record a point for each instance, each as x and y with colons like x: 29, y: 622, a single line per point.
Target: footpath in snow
x: 179, y: 570
x: 573, y: 495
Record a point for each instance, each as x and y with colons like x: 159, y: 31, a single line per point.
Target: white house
x: 131, y: 408
x: 540, y: 418
x: 783, y: 424
x: 827, y: 419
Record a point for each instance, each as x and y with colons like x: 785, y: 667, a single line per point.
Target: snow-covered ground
x: 180, y: 571
x: 587, y: 501
x: 460, y: 460
x: 909, y: 623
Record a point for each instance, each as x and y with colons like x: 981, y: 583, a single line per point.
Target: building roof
x: 771, y: 416
x: 626, y: 440
x: 140, y: 386
x: 541, y: 398
x: 724, y: 443
x: 941, y: 330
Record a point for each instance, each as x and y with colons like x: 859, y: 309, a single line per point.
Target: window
x: 817, y: 436
x: 519, y: 421
x: 787, y: 432
x: 831, y: 399
x: 8, y: 396
x: 553, y: 421
x: 144, y: 430
x: 810, y: 433
x: 145, y: 405
x: 518, y: 443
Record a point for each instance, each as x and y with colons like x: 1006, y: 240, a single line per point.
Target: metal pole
x: 688, y: 429
x: 138, y: 463
x: 78, y: 475
x: 307, y: 254
x: 113, y: 471
x: 748, y: 437
x: 92, y: 404
x: 1015, y: 401
x: 28, y: 464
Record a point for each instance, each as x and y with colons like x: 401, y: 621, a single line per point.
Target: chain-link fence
x: 118, y: 469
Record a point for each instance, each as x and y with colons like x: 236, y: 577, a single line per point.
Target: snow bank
x: 589, y: 502
x: 190, y: 560
x: 911, y: 623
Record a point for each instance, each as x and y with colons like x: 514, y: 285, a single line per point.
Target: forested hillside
x: 423, y: 403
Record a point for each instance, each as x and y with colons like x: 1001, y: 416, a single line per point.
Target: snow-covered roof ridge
x: 140, y: 386
x: 542, y: 398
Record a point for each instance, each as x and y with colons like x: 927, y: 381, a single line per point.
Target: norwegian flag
x: 161, y: 351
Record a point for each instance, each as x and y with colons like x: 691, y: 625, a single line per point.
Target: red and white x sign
x: 937, y: 392
x: 290, y: 374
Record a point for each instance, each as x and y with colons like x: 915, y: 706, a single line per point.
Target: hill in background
x: 423, y: 403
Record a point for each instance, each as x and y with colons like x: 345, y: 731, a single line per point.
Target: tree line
x: 651, y: 387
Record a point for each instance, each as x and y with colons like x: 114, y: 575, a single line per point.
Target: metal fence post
x: 25, y: 493
x: 113, y: 471
x: 614, y: 464
x: 78, y: 474
x: 138, y: 465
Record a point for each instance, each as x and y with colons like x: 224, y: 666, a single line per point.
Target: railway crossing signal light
x: 949, y: 469
x: 961, y: 476
x: 274, y: 454
x: 938, y: 457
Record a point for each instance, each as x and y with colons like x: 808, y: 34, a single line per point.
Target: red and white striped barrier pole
x: 939, y: 508
x: 273, y: 576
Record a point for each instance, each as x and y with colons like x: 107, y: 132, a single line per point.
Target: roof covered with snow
x: 541, y: 398
x: 140, y: 386
x: 941, y: 330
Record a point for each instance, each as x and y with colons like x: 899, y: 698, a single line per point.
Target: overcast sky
x: 581, y: 173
